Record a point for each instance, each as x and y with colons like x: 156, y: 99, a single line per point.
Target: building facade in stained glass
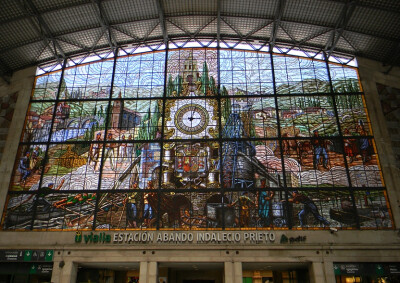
x: 197, y: 138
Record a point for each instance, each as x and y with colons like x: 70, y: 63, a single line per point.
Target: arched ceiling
x: 37, y: 31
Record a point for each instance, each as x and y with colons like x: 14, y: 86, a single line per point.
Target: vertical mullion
x: 220, y: 141
x: 163, y: 141
x: 290, y: 224
x: 332, y: 94
x: 103, y: 159
x: 46, y: 158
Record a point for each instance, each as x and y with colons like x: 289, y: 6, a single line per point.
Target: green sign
x: 33, y: 269
x: 49, y: 255
x: 28, y: 255
x: 336, y: 269
x: 380, y: 271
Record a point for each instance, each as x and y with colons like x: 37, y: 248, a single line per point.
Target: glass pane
x: 306, y: 115
x: 191, y: 119
x: 64, y: 211
x: 29, y: 166
x: 373, y: 209
x: 318, y: 209
x: 192, y: 72
x: 344, y: 79
x: 90, y: 81
x: 140, y: 76
x: 78, y: 121
x: 295, y: 75
x: 46, y: 86
x: 239, y: 153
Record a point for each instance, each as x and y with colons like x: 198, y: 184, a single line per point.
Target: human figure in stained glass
x: 109, y: 154
x: 348, y: 146
x: 148, y: 211
x: 264, y: 204
x: 34, y: 160
x: 309, y: 207
x: 23, y: 167
x: 72, y: 200
x: 40, y: 197
x: 320, y: 146
x: 364, y: 142
x: 122, y: 151
x: 94, y: 150
x: 132, y: 209
x: 130, y: 147
x: 244, y: 203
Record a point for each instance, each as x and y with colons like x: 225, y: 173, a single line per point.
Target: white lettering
x: 130, y: 238
x: 272, y: 237
x: 237, y: 237
x: 144, y: 237
x: 201, y: 237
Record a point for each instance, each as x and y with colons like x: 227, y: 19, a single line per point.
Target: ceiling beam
x: 105, y: 25
x: 233, y: 28
x: 341, y: 24
x: 29, y: 8
x: 188, y: 33
x: 312, y: 36
x: 369, y: 6
x: 258, y: 28
x: 161, y: 15
x: 277, y: 21
x: 376, y: 36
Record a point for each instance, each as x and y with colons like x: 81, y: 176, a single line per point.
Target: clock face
x: 191, y: 119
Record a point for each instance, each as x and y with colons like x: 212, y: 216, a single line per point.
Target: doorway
x: 191, y: 272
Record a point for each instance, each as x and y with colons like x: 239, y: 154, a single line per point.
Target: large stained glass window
x: 198, y: 138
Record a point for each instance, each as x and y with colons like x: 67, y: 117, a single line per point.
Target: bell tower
x: 117, y: 111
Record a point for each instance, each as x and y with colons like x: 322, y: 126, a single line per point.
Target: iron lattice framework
x: 37, y: 32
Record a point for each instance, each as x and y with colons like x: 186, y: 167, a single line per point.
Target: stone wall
x: 390, y: 102
x: 7, y: 107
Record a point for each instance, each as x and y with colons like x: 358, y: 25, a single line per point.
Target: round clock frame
x: 191, y: 119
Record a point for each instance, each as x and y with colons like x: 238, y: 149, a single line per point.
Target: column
x: 322, y: 272
x: 329, y: 272
x: 64, y: 272
x: 148, y: 272
x: 233, y: 272
x: 21, y: 83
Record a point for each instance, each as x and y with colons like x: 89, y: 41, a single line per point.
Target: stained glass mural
x: 198, y: 138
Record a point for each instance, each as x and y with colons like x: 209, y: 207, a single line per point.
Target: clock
x: 191, y: 119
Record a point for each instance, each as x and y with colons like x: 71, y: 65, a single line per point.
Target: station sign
x: 187, y: 237
x: 372, y: 269
x: 26, y: 255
